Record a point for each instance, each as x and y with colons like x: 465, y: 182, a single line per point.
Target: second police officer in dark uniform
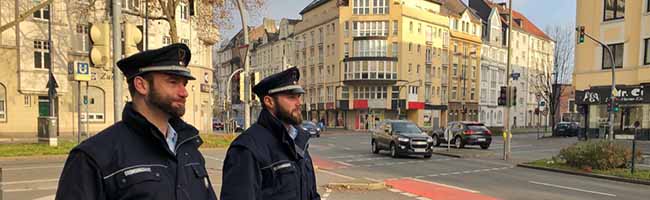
x: 270, y: 161
x: 151, y: 153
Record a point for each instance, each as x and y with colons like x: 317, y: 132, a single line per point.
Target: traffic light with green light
x: 581, y: 34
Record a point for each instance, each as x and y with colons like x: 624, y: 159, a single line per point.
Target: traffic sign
x: 515, y: 75
x: 81, y: 71
x: 623, y: 137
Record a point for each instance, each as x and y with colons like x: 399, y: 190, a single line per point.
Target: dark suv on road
x: 401, y: 137
x: 567, y: 129
x: 464, y: 133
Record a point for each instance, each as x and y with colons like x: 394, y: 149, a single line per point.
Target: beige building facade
x: 23, y: 92
x: 363, y: 62
x: 625, y: 27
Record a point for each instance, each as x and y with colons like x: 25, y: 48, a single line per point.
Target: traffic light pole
x: 247, y: 96
x: 506, y: 128
x: 117, y: 54
x: 582, y: 33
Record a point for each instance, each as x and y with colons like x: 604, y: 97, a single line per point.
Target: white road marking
x: 571, y: 188
x: 30, y: 181
x: 372, y: 179
x: 29, y: 189
x: 347, y: 148
x: 408, y: 194
x: 213, y: 158
x: 445, y: 185
x: 51, y: 197
x: 344, y: 163
x: 422, y: 198
x: 394, y: 190
x: 367, y: 159
x: 336, y: 174
x: 28, y: 168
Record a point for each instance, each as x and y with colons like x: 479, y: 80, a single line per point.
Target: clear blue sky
x: 542, y: 13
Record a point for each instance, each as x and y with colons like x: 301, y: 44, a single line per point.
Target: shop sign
x: 624, y: 94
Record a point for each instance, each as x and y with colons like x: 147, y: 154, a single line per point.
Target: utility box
x: 47, y: 130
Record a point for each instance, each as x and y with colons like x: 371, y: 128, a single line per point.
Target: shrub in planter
x: 600, y: 155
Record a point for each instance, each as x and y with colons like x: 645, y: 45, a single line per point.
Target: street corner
x: 422, y: 189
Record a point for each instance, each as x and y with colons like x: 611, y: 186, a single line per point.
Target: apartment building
x: 531, y: 61
x: 465, y: 57
x: 27, y: 55
x: 625, y: 27
x: 363, y: 62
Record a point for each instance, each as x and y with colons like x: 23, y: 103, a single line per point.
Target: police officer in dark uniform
x: 270, y: 160
x: 151, y: 153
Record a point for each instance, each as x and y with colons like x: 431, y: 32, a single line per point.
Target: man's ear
x: 269, y: 102
x: 141, y: 85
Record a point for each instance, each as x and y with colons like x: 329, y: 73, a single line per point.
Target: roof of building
x: 524, y: 23
x: 312, y: 5
x: 456, y: 8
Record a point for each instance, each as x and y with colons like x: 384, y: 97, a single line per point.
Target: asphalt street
x: 345, y: 156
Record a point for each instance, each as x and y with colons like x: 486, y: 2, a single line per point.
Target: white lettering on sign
x: 591, y: 97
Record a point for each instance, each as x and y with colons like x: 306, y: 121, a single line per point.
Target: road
x: 344, y: 156
x: 482, y: 173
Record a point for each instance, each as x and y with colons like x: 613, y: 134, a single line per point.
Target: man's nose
x: 182, y: 92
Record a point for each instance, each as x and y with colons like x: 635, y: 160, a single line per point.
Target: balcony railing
x: 371, y: 70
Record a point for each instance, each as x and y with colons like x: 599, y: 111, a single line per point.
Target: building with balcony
x: 531, y: 61
x: 366, y: 61
x: 624, y: 26
x: 465, y: 56
x: 27, y: 55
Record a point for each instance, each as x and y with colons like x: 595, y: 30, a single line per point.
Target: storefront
x: 633, y: 102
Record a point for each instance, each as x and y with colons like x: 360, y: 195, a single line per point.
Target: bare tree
x: 22, y: 16
x: 548, y: 85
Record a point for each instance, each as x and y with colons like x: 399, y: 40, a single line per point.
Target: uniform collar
x: 141, y: 125
x: 298, y: 145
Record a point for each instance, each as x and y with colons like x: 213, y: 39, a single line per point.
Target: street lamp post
x: 228, y: 83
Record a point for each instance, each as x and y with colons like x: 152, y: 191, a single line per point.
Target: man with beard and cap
x: 270, y: 160
x: 152, y: 153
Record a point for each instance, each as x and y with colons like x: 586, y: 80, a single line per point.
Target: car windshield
x: 404, y: 127
x: 308, y: 125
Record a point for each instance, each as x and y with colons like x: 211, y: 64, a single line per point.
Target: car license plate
x: 420, y: 143
x: 481, y: 139
x: 313, y: 132
x: 420, y: 150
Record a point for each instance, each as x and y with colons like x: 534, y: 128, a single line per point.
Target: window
x: 647, y: 5
x: 417, y: 69
x: 380, y: 7
x: 345, y: 94
x: 617, y: 52
x: 41, y: 54
x: 411, y: 27
x: 419, y: 27
x: 183, y: 11
x: 185, y: 41
x: 410, y: 46
x: 346, y: 28
x: 82, y: 43
x: 167, y: 40
x: 427, y: 92
x: 410, y: 66
x: 131, y: 4
x: 395, y: 50
x: 614, y: 9
x: 395, y: 93
x: 3, y: 103
x: 361, y: 7
x: 96, y: 104
x: 453, y: 93
x: 395, y: 27
x: 370, y: 48
x: 370, y: 28
x: 346, y: 50
x: 43, y: 13
x: 646, y: 57
x: 455, y: 69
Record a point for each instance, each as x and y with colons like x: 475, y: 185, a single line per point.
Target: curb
x: 357, y: 186
x: 61, y: 157
x: 613, y: 178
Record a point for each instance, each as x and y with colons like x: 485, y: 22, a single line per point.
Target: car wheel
x: 393, y: 151
x: 458, y: 142
x: 427, y: 156
x: 375, y: 149
x: 436, y: 140
x: 318, y: 135
x: 485, y: 146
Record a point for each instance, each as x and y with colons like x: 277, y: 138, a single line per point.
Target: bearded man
x: 270, y: 160
x: 152, y: 153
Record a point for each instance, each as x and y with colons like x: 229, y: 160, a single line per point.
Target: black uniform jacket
x: 131, y: 160
x: 264, y: 163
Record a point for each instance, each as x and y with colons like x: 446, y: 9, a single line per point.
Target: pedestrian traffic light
x: 581, y: 34
x: 502, y: 96
x: 132, y: 36
x: 615, y: 107
x: 100, y: 36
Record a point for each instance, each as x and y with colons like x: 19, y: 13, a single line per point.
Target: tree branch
x: 24, y: 15
x: 140, y: 14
